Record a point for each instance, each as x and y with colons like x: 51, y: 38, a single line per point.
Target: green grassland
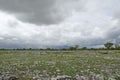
x: 29, y: 64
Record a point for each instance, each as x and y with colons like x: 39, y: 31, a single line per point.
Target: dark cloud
x: 35, y: 11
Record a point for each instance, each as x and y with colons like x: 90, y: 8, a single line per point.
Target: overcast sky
x: 58, y: 23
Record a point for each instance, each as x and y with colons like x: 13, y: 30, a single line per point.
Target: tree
x: 30, y: 48
x: 74, y: 47
x: 84, y: 48
x: 108, y: 45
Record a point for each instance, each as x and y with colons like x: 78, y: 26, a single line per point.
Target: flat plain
x: 34, y: 64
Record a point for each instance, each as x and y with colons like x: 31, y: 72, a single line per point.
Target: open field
x: 46, y: 65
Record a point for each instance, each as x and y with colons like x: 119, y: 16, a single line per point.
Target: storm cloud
x: 35, y: 11
x: 58, y: 23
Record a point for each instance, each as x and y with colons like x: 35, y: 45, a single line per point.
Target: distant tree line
x: 107, y: 46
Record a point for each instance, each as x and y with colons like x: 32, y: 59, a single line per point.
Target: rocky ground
x: 64, y: 77
x: 8, y: 77
x: 59, y: 65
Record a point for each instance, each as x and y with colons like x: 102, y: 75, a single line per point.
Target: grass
x: 28, y: 64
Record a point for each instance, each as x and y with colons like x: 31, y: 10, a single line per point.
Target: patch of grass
x: 29, y: 64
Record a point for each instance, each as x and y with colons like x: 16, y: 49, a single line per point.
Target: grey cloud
x: 83, y: 22
x: 34, y: 11
x: 113, y: 34
x: 42, y: 11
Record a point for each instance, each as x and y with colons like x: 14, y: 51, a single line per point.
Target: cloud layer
x: 60, y: 23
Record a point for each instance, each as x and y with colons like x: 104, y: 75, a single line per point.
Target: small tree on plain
x: 108, y: 45
x: 75, y: 47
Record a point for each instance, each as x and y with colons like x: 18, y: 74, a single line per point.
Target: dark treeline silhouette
x: 107, y: 46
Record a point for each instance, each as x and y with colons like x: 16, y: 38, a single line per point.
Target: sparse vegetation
x: 35, y: 64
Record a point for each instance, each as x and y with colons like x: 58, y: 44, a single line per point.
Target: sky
x: 58, y: 23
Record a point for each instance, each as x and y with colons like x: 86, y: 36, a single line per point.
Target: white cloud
x: 85, y: 24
